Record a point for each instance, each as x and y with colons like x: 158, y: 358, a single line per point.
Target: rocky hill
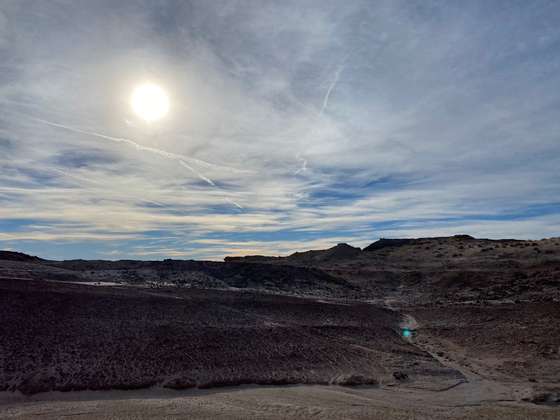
x: 200, y: 274
x: 60, y: 336
x: 18, y: 256
x: 460, y: 268
x: 477, y: 311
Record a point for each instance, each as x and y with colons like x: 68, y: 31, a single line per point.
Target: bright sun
x: 149, y: 102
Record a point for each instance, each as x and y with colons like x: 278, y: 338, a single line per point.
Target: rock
x: 548, y: 398
x: 400, y: 376
x: 355, y: 380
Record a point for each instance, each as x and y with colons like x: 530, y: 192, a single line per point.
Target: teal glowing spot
x: 406, y: 333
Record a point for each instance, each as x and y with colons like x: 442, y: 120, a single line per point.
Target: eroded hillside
x: 58, y: 336
x: 481, y: 312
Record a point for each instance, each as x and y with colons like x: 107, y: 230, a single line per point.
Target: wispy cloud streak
x: 138, y: 146
x: 298, y: 123
x: 331, y: 88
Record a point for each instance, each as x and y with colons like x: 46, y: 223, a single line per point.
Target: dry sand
x: 466, y: 401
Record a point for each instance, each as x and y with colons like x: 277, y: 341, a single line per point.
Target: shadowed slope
x: 71, y: 337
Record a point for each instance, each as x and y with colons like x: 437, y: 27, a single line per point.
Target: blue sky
x: 293, y: 124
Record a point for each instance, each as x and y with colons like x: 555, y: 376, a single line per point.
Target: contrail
x: 91, y: 181
x: 331, y: 88
x: 70, y: 175
x: 239, y: 206
x: 324, y: 106
x: 169, y: 155
x: 138, y: 146
x: 303, y: 165
x: 209, y: 181
x: 198, y: 174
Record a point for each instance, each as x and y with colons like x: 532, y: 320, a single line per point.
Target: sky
x: 293, y: 125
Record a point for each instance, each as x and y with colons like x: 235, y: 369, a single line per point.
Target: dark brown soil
x: 69, y: 337
x: 504, y: 342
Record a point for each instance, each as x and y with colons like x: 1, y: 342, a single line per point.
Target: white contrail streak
x: 198, y: 174
x: 331, y: 88
x: 164, y: 153
x: 91, y: 181
x: 303, y: 167
x: 169, y: 155
x: 324, y: 106
x: 209, y: 181
x: 239, y: 206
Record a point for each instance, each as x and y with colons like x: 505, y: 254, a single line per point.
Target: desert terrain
x: 428, y: 328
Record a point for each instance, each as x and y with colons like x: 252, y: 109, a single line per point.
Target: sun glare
x: 149, y: 102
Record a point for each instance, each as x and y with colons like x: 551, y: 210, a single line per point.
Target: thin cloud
x: 431, y: 120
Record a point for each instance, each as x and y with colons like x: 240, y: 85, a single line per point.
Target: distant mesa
x: 465, y: 237
x: 249, y: 258
x: 386, y: 243
x: 18, y: 256
x: 341, y: 251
